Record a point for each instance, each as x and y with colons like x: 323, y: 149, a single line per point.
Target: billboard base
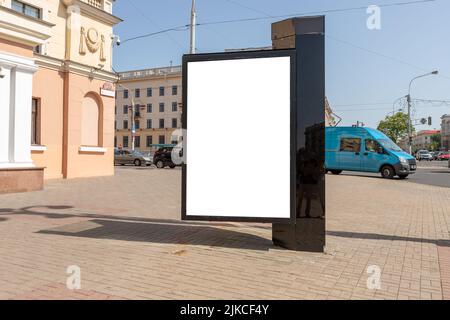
x: 305, y: 235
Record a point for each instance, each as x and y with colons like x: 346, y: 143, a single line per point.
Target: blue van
x: 367, y: 150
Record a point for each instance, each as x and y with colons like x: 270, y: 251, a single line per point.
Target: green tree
x: 395, y: 126
x: 435, y: 142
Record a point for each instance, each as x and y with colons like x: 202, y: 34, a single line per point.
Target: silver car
x: 424, y: 155
x: 123, y: 157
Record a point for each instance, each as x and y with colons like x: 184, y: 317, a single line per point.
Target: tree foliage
x: 435, y: 142
x: 395, y: 126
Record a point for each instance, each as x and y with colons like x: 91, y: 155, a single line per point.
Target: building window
x: 161, y: 123
x: 137, y: 112
x: 149, y: 92
x: 125, y: 109
x: 137, y: 124
x: 350, y: 144
x: 174, y: 122
x: 125, y: 94
x: 35, y: 121
x: 26, y: 9
x: 149, y: 108
x: 174, y: 106
x: 174, y: 140
x: 137, y: 141
x: 162, y: 139
x: 161, y: 107
x: 125, y: 124
x: 149, y: 141
x: 115, y: 142
x: 115, y: 125
x: 115, y: 109
x: 125, y: 141
x: 161, y: 91
x: 149, y: 123
x: 137, y: 93
x: 174, y: 90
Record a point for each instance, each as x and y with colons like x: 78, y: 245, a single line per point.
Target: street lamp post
x: 408, y: 98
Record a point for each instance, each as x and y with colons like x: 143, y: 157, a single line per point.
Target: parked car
x: 435, y: 154
x: 443, y: 156
x: 424, y: 155
x: 163, y: 157
x: 124, y: 156
x: 367, y: 150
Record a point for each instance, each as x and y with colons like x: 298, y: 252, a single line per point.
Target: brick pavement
x: 125, y: 235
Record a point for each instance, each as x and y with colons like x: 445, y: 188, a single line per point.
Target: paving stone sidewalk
x: 125, y: 235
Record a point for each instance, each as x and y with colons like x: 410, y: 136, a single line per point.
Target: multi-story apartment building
x: 422, y: 140
x: 156, y: 97
x: 56, y: 91
x: 445, y: 132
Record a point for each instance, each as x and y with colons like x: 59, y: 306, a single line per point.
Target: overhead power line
x: 154, y: 23
x: 316, y: 12
x: 415, y: 102
x: 184, y: 27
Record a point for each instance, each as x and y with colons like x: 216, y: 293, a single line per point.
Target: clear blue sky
x: 360, y: 85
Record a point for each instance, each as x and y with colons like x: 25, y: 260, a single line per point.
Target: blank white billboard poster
x: 238, y: 138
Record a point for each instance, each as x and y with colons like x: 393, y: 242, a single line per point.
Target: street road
x: 434, y: 173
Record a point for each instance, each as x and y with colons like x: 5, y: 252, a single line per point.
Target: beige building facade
x: 56, y: 58
x: 422, y: 140
x: 445, y: 132
x: 156, y: 96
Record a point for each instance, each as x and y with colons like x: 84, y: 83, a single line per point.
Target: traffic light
x: 429, y: 121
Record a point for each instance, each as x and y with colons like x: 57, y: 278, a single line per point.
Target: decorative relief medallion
x: 93, y: 41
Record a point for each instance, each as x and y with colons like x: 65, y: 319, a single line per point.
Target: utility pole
x: 192, y: 29
x: 408, y: 98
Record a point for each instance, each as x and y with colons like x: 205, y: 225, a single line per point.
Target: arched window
x: 91, y: 115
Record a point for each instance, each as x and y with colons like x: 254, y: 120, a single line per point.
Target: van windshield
x: 388, y: 144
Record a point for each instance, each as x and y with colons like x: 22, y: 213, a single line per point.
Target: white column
x: 15, y: 111
x: 21, y: 146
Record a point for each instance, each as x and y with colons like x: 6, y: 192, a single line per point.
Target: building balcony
x: 101, y: 10
x: 105, y: 5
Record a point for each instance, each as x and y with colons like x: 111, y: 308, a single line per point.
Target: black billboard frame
x: 292, y: 53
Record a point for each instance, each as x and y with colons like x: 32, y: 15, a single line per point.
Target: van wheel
x: 137, y: 163
x: 336, y: 171
x: 402, y: 176
x: 387, y: 172
x: 159, y: 164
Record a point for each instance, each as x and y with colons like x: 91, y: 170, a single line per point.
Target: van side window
x: 373, y: 146
x: 350, y: 145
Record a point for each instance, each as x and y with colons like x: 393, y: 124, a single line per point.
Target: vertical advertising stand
x: 254, y: 136
x: 307, y: 36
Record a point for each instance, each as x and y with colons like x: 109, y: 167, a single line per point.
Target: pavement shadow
x: 165, y: 233
x: 376, y: 236
x: 34, y: 211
